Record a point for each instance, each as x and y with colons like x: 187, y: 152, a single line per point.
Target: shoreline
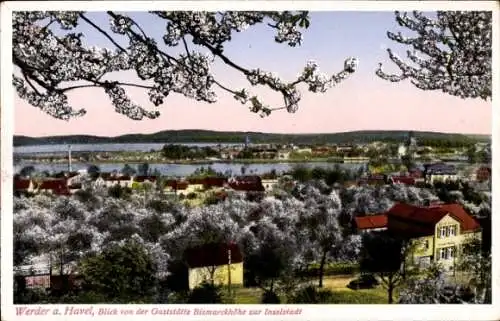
x: 199, y: 162
x: 332, y: 161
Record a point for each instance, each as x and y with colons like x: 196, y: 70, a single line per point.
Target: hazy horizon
x: 256, y: 132
x: 362, y: 102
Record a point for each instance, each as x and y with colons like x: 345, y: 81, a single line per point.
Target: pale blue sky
x: 362, y: 102
x: 331, y: 37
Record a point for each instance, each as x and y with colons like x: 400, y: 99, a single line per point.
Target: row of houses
x: 69, y: 183
x: 430, y: 174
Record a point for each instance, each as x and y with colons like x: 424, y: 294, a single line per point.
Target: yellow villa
x: 438, y: 233
x: 218, y: 263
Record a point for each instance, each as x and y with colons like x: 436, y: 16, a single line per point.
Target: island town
x: 378, y: 163
x: 447, y: 190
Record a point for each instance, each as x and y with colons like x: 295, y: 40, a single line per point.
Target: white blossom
x: 451, y: 52
x: 50, y: 63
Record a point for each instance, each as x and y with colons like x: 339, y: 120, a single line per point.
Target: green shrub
x: 30, y: 296
x: 191, y: 196
x: 311, y: 294
x: 357, y: 297
x: 364, y: 281
x: 205, y: 293
x: 333, y: 269
x: 180, y: 297
x: 270, y: 297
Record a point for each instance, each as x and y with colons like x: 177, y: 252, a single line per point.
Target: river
x: 164, y: 169
x: 57, y: 149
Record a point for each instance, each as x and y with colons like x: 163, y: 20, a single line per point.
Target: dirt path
x: 338, y: 281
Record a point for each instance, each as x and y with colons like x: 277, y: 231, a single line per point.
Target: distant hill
x: 482, y: 138
x: 207, y: 136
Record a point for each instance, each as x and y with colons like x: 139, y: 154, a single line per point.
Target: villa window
x: 442, y: 232
x: 447, y: 231
x: 451, y: 252
x: 447, y: 253
x: 442, y: 254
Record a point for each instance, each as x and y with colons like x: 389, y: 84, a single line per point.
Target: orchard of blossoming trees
x: 310, y: 225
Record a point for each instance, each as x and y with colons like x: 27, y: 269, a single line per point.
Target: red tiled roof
x: 182, y: 186
x: 247, y: 183
x: 208, y: 181
x: 433, y: 214
x: 53, y: 184
x: 55, y: 282
x: 403, y: 180
x: 248, y: 187
x: 416, y: 173
x: 215, y: 181
x: 467, y: 222
x: 196, y: 180
x: 58, y: 186
x: 371, y: 221
x: 179, y: 185
x: 248, y: 178
x: 212, y: 255
x: 483, y: 173
x: 484, y: 169
x: 21, y: 184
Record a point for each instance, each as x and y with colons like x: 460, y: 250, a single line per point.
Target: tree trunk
x: 50, y: 264
x: 61, y: 268
x: 390, y: 290
x: 212, y: 274
x: 322, y: 268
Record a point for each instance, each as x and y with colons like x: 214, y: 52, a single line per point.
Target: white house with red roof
x: 371, y: 223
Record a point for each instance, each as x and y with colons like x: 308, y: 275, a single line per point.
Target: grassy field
x: 337, y: 284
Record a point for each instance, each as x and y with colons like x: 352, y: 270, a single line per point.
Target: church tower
x: 411, y: 145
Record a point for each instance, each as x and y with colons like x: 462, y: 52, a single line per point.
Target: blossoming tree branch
x: 451, y: 52
x: 53, y: 64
